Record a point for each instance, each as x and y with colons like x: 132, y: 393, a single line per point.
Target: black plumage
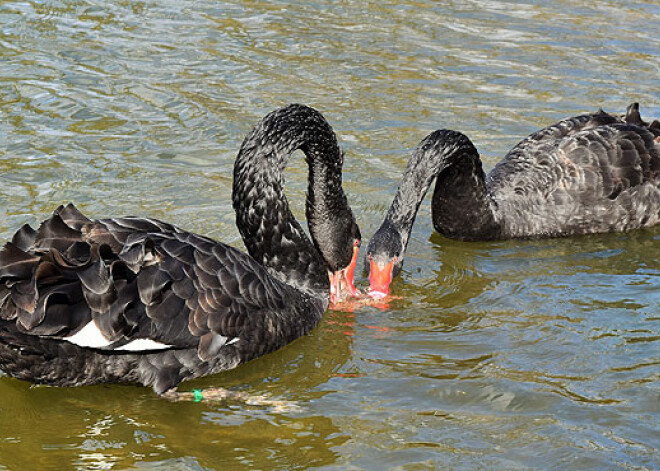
x: 586, y: 174
x: 201, y: 306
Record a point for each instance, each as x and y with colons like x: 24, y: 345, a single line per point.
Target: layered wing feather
x: 577, y: 168
x: 138, y: 280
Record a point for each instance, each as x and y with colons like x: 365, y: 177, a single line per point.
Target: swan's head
x: 339, y: 248
x: 384, y: 259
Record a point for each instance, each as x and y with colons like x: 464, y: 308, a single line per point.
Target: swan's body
x: 139, y: 300
x: 587, y: 174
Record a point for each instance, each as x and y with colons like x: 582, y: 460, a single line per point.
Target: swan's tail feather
x: 633, y: 116
x: 42, y: 275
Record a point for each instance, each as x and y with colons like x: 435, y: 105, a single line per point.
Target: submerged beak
x: 342, y: 282
x: 380, y: 277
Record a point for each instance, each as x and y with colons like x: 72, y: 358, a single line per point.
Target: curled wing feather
x: 136, y: 279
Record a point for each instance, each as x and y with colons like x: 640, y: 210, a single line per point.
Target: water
x: 506, y: 355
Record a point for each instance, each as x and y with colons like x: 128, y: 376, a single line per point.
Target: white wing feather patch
x: 143, y: 344
x: 89, y: 336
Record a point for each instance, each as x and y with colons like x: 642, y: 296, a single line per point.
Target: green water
x: 511, y: 355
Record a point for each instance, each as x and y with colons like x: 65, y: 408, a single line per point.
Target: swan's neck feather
x: 270, y: 232
x: 443, y: 155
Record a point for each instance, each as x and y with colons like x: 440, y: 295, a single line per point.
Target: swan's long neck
x: 450, y: 158
x: 270, y: 232
x: 462, y: 206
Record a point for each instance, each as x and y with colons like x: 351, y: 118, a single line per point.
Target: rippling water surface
x: 507, y: 355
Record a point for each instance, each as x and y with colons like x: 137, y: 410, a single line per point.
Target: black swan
x: 582, y: 175
x: 139, y: 300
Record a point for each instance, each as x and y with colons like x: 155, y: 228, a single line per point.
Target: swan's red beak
x: 342, y: 282
x: 380, y: 277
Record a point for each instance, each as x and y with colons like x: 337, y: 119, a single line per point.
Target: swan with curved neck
x: 275, y: 238
x: 139, y: 300
x: 586, y: 174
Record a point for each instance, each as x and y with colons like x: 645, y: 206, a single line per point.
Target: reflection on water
x: 116, y: 426
x: 503, y: 355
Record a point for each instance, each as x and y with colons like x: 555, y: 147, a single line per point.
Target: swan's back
x: 136, y: 300
x: 586, y: 174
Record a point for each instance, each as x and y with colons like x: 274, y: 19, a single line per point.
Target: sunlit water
x: 507, y: 355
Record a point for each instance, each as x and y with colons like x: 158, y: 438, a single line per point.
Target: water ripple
x: 504, y: 355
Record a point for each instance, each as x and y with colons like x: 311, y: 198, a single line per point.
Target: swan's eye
x: 395, y: 258
x: 369, y: 256
x: 356, y: 243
